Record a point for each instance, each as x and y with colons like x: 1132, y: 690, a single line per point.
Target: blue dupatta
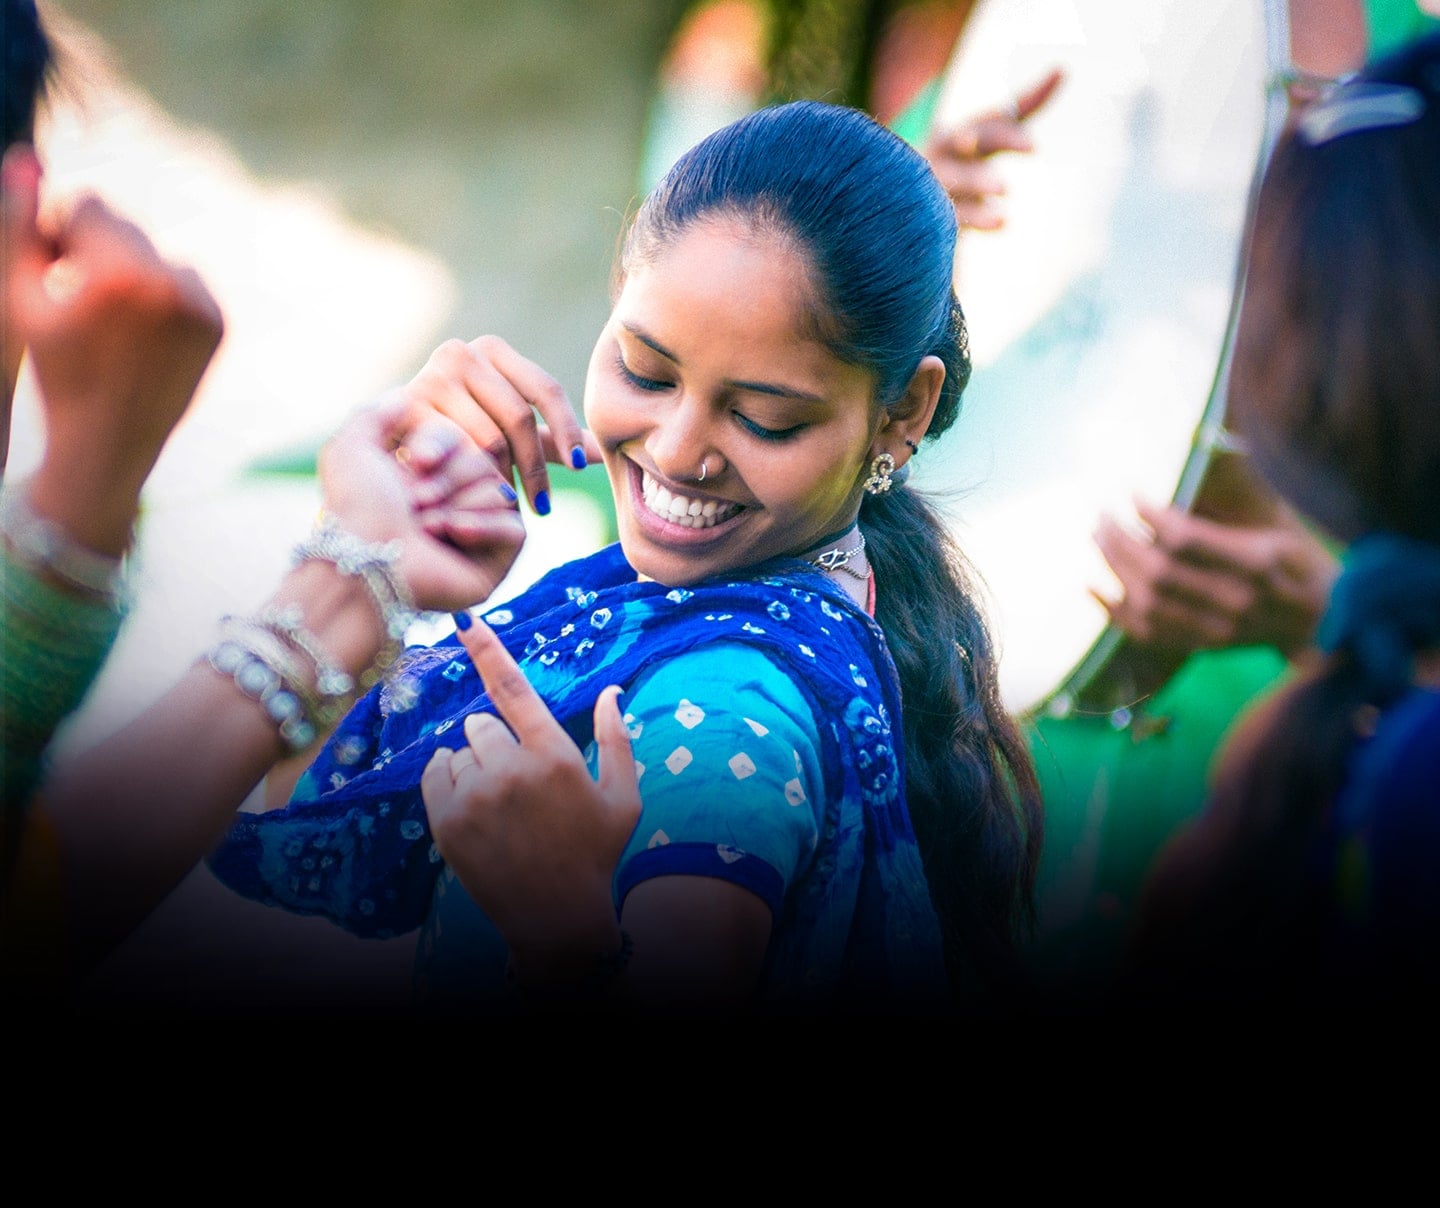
x: 354, y: 845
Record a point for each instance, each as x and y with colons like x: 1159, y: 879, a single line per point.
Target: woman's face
x: 704, y: 362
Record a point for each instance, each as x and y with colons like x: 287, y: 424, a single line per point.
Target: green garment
x: 1113, y: 796
x: 1390, y: 23
x: 52, y: 646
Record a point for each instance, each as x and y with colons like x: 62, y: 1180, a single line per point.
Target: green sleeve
x: 52, y: 646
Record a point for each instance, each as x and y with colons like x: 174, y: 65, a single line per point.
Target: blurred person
x: 887, y: 57
x: 1308, y: 880
x: 118, y: 339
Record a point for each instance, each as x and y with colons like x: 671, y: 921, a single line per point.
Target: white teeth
x: 681, y: 510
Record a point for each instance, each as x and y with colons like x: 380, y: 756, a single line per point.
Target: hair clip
x: 1355, y: 106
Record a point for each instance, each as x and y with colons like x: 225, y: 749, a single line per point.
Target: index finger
x: 566, y: 440
x: 517, y: 703
x: 1209, y: 542
x: 1038, y: 93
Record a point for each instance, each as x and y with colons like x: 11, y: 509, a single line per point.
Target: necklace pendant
x: 833, y: 559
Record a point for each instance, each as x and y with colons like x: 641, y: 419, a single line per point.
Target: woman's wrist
x: 94, y: 502
x: 52, y: 551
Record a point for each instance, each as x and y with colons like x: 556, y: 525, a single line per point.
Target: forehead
x: 729, y: 273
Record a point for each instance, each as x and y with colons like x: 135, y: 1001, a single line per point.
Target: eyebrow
x: 786, y: 392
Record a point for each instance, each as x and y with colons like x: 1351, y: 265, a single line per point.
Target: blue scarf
x: 354, y: 845
x: 1384, y: 607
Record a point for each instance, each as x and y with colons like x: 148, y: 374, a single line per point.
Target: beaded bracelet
x: 45, y: 547
x: 332, y: 685
x: 374, y: 565
x: 264, y: 674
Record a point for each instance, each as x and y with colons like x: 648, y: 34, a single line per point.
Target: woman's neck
x: 841, y: 556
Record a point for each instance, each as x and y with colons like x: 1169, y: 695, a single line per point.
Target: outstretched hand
x: 532, y: 836
x: 1190, y: 583
x: 960, y: 154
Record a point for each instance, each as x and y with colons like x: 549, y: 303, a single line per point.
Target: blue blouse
x: 731, y: 786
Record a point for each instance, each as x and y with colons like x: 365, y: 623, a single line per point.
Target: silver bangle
x: 42, y: 545
x: 373, y: 564
x: 266, y: 678
x: 333, y: 686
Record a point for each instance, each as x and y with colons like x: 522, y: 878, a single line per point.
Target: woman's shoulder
x: 727, y: 674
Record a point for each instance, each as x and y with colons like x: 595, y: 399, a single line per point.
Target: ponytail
x: 971, y: 786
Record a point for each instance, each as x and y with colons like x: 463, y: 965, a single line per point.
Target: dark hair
x: 1336, y: 374
x: 1336, y: 386
x: 879, y: 233
x: 27, y: 65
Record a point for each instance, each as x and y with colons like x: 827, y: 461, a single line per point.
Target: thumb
x: 618, y: 780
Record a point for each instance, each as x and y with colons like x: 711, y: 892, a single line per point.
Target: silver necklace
x: 840, y: 559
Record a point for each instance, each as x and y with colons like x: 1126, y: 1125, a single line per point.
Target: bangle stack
x: 47, y: 550
x: 265, y: 674
x: 374, y: 565
x: 266, y: 654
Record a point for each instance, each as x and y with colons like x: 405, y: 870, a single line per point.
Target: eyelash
x: 651, y: 385
x: 640, y: 383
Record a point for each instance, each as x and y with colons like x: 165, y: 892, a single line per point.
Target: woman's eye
x: 640, y: 383
x: 767, y: 433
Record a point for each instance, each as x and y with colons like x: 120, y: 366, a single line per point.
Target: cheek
x: 604, y: 414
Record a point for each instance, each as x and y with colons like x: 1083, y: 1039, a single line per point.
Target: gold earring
x: 880, y: 471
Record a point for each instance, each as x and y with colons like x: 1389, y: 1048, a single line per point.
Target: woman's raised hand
x: 494, y: 395
x: 533, y: 837
x: 118, y: 337
x: 392, y: 473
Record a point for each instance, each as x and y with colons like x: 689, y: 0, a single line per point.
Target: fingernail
x: 507, y: 492
x: 542, y: 503
x: 577, y: 458
x: 463, y: 620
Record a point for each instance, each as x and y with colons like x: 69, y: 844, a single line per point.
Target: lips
x: 682, y: 509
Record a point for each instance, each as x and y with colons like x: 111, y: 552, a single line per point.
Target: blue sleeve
x: 731, y: 784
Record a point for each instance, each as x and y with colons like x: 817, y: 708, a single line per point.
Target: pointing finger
x: 517, y: 703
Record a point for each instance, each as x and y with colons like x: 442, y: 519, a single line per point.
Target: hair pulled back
x: 878, y: 233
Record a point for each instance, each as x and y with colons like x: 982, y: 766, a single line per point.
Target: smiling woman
x: 783, y: 337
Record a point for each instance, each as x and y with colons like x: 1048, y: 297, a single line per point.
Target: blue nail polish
x: 508, y: 492
x: 463, y: 620
x: 577, y: 458
x: 542, y: 503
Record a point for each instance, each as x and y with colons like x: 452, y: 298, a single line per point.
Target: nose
x: 681, y: 443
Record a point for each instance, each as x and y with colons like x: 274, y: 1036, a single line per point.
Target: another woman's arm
x: 134, y: 813
x: 118, y: 339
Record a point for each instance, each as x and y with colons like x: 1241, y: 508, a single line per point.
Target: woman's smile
x: 672, y: 514
x: 684, y: 510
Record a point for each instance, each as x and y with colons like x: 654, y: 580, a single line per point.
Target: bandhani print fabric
x: 853, y: 923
